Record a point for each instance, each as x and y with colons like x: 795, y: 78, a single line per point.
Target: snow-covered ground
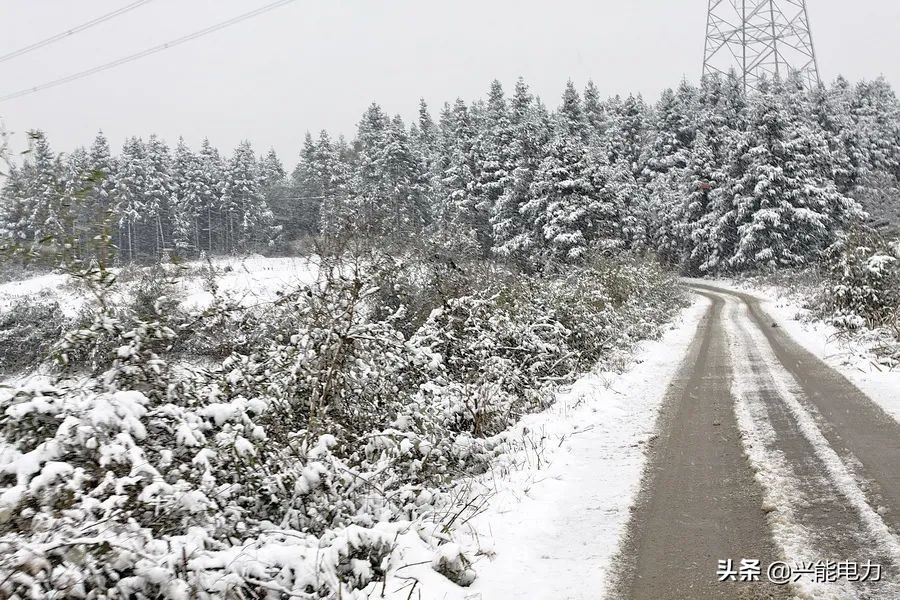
x: 852, y: 357
x: 558, y: 507
x: 253, y: 279
x: 250, y: 280
x: 42, y: 286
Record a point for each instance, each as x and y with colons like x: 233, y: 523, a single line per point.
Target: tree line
x: 708, y: 178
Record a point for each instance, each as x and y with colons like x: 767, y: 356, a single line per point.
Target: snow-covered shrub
x: 863, y: 281
x: 291, y: 466
x: 154, y: 292
x: 452, y: 563
x: 28, y: 329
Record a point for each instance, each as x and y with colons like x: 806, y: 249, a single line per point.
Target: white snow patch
x: 251, y: 280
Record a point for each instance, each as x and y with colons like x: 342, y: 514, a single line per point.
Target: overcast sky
x: 317, y: 64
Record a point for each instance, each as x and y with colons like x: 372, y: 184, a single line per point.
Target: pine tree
x: 369, y: 194
x: 75, y: 181
x: 407, y: 182
x: 876, y: 136
x: 425, y: 136
x: 493, y: 162
x: 510, y: 230
x: 594, y: 112
x: 696, y: 224
x: 158, y: 195
x: 275, y: 187
x: 16, y: 230
x: 570, y: 208
x: 625, y: 141
x: 248, y: 221
x: 301, y: 213
x: 186, y: 203
x: 100, y: 198
x: 675, y: 127
x: 131, y: 186
x: 785, y: 209
x: 210, y: 181
x: 463, y: 226
x: 45, y: 190
x: 331, y: 174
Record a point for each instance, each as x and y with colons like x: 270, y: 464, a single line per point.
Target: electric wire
x: 73, y: 31
x: 147, y: 52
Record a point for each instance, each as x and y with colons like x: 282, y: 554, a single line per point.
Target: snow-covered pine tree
x: 876, y: 115
x: 300, y: 212
x: 271, y: 169
x: 673, y: 131
x: 594, y: 111
x: 75, y: 179
x: 493, y: 160
x: 665, y: 205
x: 830, y: 109
x: 209, y: 178
x: 158, y: 196
x: 511, y: 231
x: 275, y: 188
x: 405, y: 211
x: 16, y: 230
x: 100, y: 199
x: 368, y: 194
x: 786, y: 209
x: 625, y: 140
x: 425, y: 137
x: 248, y: 221
x: 667, y: 155
x: 697, y: 221
x: 333, y: 172
x: 567, y: 210
x: 130, y: 200
x: 186, y: 205
x: 460, y: 226
x: 45, y: 194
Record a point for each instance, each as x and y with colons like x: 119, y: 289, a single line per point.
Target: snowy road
x: 764, y: 453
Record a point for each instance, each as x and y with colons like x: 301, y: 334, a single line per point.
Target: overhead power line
x: 147, y: 52
x: 73, y: 31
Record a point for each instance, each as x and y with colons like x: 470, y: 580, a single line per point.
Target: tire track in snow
x: 818, y: 509
x: 699, y: 502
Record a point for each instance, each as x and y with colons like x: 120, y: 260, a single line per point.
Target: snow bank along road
x: 764, y: 453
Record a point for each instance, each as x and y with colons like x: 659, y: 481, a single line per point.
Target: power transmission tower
x: 760, y: 38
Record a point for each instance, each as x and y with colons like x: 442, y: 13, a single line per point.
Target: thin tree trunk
x: 209, y: 228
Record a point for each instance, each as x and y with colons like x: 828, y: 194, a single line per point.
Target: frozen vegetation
x: 186, y: 418
x: 326, y: 423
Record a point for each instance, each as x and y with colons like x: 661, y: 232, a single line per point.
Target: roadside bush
x: 290, y: 467
x: 862, y: 281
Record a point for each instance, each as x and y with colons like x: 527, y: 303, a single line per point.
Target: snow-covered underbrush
x: 862, y: 286
x: 855, y: 289
x: 339, y: 419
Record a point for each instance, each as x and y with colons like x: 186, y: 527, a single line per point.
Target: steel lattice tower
x: 760, y: 38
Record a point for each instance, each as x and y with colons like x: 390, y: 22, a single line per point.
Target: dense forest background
x: 708, y: 178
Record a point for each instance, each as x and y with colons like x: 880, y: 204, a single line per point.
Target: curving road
x: 763, y: 453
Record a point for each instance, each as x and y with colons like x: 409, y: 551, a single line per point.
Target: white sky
x: 317, y: 64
